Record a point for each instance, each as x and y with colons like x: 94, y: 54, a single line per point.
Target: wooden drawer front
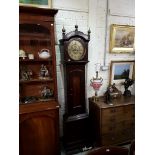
x: 115, y: 119
x: 126, y: 110
x: 129, y: 111
x: 112, y: 111
x: 117, y: 137
x: 116, y: 127
x: 111, y: 115
x: 117, y: 114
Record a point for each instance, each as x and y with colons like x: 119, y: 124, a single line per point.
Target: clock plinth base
x: 77, y: 133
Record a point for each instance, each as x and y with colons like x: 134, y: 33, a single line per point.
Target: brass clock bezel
x: 84, y: 49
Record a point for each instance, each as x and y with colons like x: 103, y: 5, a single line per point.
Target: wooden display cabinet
x: 39, y: 109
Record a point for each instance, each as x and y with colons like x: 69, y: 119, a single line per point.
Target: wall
x: 97, y: 15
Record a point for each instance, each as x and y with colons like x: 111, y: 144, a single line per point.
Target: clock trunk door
x: 75, y: 89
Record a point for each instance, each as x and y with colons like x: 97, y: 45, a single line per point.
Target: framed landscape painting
x: 121, y: 70
x: 122, y: 38
x: 36, y: 3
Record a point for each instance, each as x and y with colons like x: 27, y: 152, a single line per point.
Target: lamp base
x: 95, y: 98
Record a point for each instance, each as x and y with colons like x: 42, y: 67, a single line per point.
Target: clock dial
x: 76, y: 50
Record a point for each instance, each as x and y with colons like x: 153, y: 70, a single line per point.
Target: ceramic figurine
x: 46, y: 93
x: 22, y: 54
x: 25, y: 73
x: 44, y: 72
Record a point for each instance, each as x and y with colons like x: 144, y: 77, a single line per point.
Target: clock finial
x: 63, y: 31
x: 76, y: 27
x: 89, y: 33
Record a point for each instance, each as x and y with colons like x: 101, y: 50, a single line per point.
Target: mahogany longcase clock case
x: 74, y: 48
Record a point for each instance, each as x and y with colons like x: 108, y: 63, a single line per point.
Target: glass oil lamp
x: 96, y: 83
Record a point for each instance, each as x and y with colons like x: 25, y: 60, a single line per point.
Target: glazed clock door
x: 75, y: 89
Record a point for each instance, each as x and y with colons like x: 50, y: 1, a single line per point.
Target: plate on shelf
x: 44, y: 54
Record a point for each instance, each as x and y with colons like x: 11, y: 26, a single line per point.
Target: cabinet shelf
x: 38, y: 101
x: 35, y: 80
x: 32, y: 36
x: 35, y: 60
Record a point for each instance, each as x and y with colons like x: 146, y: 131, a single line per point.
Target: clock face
x: 76, y: 51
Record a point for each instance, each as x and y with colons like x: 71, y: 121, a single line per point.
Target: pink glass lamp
x: 96, y: 83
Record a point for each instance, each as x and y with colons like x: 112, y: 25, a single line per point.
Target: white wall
x: 92, y: 14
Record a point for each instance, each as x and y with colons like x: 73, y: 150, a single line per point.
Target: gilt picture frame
x: 120, y: 70
x: 36, y: 3
x: 122, y: 39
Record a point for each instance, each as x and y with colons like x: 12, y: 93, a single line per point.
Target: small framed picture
x: 121, y: 70
x: 36, y: 3
x: 122, y: 38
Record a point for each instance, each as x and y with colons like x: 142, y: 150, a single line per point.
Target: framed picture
x: 36, y: 3
x: 120, y: 70
x: 122, y: 38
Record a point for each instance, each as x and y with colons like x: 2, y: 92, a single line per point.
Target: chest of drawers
x: 113, y: 124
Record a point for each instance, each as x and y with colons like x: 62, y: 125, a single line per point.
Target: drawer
x: 126, y: 134
x: 112, y: 111
x: 116, y: 115
x: 117, y: 137
x: 116, y: 119
x: 116, y: 127
x: 127, y: 109
x: 108, y: 139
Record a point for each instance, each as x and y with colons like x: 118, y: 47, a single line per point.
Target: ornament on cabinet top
x: 112, y: 93
x: 25, y: 73
x: 44, y: 73
x: 44, y: 54
x: 29, y: 99
x: 31, y: 56
x: 96, y: 83
x: 46, y: 93
x: 128, y: 82
x: 22, y: 54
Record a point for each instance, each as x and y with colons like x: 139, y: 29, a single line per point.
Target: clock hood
x: 75, y: 33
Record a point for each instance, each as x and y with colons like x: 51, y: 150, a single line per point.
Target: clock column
x: 74, y: 46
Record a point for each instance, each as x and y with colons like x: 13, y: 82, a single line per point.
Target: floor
x: 85, y: 152
x: 81, y: 153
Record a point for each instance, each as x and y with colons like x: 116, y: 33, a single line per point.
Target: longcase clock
x: 74, y: 47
